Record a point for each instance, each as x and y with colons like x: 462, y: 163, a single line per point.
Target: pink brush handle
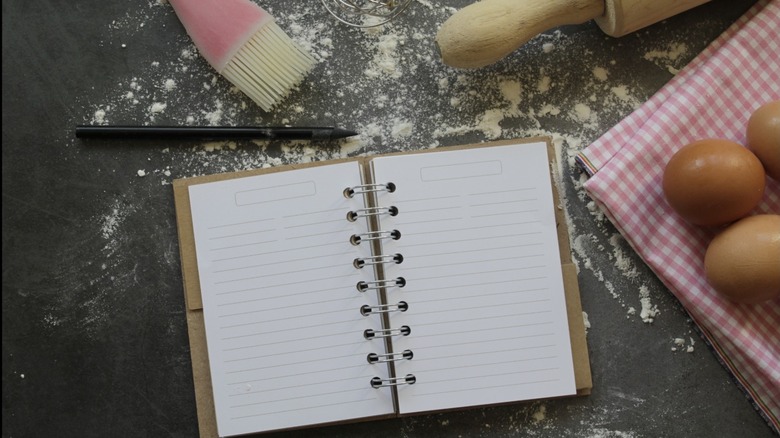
x: 219, y: 28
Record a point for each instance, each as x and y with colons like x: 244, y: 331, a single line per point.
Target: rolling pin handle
x: 487, y: 31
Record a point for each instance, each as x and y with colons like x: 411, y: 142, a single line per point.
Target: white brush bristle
x: 268, y: 66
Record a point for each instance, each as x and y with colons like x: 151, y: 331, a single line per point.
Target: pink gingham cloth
x: 712, y: 97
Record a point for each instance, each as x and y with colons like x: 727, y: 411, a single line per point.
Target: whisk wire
x: 354, y: 12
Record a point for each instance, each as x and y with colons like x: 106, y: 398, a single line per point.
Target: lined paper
x: 483, y: 283
x: 281, y: 307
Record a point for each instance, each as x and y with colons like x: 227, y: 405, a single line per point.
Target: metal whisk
x: 354, y: 12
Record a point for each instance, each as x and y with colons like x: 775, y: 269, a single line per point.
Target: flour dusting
x: 668, y: 57
x: 399, y: 97
x: 649, y: 310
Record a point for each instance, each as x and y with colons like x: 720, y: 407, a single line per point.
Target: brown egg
x: 743, y: 261
x: 763, y: 137
x: 713, y: 182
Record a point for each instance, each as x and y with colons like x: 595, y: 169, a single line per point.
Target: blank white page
x: 280, y: 300
x: 482, y: 271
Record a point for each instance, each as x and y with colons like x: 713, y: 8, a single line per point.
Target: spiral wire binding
x: 365, y: 13
x: 401, y: 306
x: 404, y: 330
x: 391, y: 357
x: 380, y: 284
x: 378, y: 382
x: 364, y: 286
x: 360, y: 263
x: 349, y: 192
x: 352, y: 216
x: 355, y: 239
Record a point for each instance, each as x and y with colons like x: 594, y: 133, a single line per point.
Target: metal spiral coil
x: 365, y: 13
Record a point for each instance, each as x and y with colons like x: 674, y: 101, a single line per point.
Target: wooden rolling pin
x: 485, y: 32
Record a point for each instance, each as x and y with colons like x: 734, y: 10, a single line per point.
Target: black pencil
x: 215, y: 132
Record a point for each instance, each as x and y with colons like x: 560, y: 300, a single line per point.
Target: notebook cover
x: 194, y: 306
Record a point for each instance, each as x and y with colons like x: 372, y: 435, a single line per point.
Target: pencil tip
x: 338, y: 133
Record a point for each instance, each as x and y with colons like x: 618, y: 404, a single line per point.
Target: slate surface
x: 94, y: 333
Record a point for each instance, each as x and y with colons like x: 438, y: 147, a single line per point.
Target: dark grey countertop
x: 94, y: 332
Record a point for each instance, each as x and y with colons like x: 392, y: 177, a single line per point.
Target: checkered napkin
x: 712, y: 97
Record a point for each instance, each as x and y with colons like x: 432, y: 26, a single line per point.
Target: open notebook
x: 378, y: 286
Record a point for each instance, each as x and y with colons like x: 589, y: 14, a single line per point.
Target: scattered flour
x: 386, y: 61
x: 606, y: 433
x: 649, y: 311
x: 668, y: 58
x: 99, y: 117
x: 385, y: 98
x: 111, y: 221
x: 544, y: 84
x: 674, y: 52
x: 679, y: 344
x: 622, y: 262
x: 600, y: 73
x: 540, y: 414
x: 402, y: 128
x: 586, y: 321
x: 585, y: 115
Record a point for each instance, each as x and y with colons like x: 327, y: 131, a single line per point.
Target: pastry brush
x: 246, y: 46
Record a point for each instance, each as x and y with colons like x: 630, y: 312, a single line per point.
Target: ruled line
x: 490, y: 248
x: 503, y: 385
x: 487, y: 306
x: 246, y: 370
x: 480, y: 342
x: 283, y: 295
x: 310, y: 224
x: 490, y: 317
x: 348, y: 232
x: 401, y: 224
x: 495, y: 192
x: 288, y: 318
x: 481, y: 295
x: 435, y: 198
x: 503, y: 236
x: 296, y: 304
x: 493, y: 317
x: 263, y: 287
x: 328, y: 335
x: 509, y: 201
x: 472, y: 262
x: 275, y: 274
x: 281, y: 262
x: 518, y: 212
x: 319, y: 370
x: 513, y: 269
x: 214, y: 227
x: 485, y: 227
x: 241, y: 245
x: 282, y: 388
x: 307, y: 247
x: 483, y: 364
x: 428, y: 210
x: 462, y: 285
x: 312, y: 213
x: 329, y: 404
x: 267, y: 356
x: 246, y: 233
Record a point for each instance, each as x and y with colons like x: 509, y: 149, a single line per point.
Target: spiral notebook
x: 376, y: 287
